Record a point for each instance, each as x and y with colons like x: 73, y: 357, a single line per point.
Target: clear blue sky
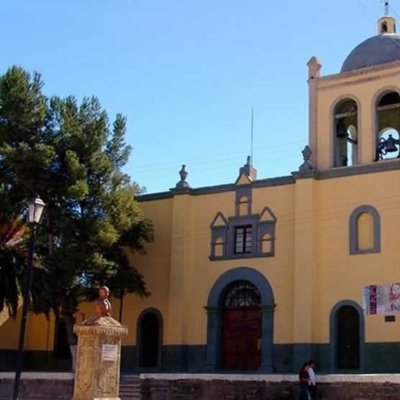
x: 187, y: 72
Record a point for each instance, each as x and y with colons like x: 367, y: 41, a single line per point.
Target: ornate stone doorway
x: 240, y: 322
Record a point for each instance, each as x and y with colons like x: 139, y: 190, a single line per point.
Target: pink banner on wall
x: 381, y: 299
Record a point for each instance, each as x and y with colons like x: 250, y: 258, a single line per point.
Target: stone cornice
x: 230, y: 187
x: 359, y: 76
x: 373, y: 167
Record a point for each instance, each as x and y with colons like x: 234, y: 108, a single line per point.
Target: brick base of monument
x: 217, y: 389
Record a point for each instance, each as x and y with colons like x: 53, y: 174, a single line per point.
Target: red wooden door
x: 241, y: 339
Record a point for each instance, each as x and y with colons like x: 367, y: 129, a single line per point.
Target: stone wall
x: 41, y: 386
x: 38, y: 386
x: 271, y: 387
x: 220, y: 389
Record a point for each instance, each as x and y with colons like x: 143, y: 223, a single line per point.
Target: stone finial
x: 306, y: 166
x: 314, y: 68
x: 248, y: 170
x: 182, y: 184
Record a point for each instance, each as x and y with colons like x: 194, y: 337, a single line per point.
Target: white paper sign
x: 109, y: 352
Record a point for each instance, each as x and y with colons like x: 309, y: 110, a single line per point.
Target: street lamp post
x: 35, y: 211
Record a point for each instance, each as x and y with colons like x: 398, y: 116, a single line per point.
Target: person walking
x: 304, y: 379
x: 312, y: 383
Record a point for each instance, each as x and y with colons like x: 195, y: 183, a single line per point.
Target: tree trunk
x: 121, y: 306
x: 69, y: 325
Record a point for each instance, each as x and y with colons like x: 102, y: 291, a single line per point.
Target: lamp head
x: 35, y: 208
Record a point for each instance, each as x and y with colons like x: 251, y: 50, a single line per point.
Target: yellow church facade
x: 261, y: 275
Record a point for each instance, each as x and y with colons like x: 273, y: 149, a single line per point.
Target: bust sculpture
x: 102, y: 304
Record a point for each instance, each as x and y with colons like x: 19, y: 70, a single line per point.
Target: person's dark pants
x: 304, y: 393
x: 312, y: 389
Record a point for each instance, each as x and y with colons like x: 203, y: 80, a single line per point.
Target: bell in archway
x: 341, y: 130
x: 391, y: 144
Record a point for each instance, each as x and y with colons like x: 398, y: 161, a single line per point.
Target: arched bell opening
x: 388, y: 126
x: 345, y: 122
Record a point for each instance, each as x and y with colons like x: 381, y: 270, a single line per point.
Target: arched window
x: 387, y: 126
x: 365, y: 231
x: 219, y: 247
x: 219, y: 228
x: 345, y: 123
x: 384, y: 27
x: 241, y: 294
x: 243, y: 200
x: 364, y: 227
x: 266, y: 243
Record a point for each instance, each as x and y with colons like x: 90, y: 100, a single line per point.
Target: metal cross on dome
x: 386, y: 7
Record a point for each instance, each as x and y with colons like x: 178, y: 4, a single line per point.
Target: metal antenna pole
x: 252, y: 132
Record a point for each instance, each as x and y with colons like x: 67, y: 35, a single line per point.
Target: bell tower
x: 386, y: 24
x: 354, y: 116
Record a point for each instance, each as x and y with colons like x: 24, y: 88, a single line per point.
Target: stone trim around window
x: 353, y: 230
x: 223, y: 236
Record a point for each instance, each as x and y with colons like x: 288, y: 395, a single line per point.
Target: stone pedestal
x: 98, y: 359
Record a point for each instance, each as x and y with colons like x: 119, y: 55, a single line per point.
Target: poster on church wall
x: 381, y: 299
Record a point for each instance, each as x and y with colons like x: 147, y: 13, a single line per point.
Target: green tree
x: 69, y: 154
x: 23, y: 118
x: 126, y: 279
x: 13, y: 254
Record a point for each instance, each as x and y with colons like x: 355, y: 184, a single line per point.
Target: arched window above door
x: 241, y: 294
x: 364, y: 230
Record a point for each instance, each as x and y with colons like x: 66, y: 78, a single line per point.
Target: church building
x: 261, y: 275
